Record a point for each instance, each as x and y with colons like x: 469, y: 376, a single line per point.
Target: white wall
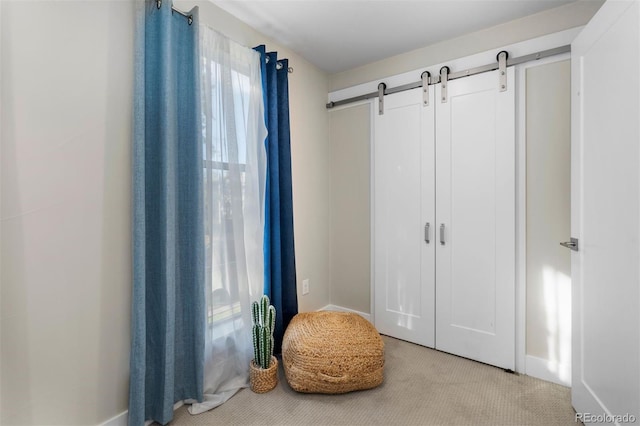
x: 548, y: 142
x: 65, y: 250
x: 350, y: 208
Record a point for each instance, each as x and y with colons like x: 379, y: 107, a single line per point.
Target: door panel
x: 472, y: 192
x: 403, y: 204
x: 475, y: 201
x: 605, y: 214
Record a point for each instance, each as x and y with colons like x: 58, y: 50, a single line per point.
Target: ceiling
x: 337, y: 35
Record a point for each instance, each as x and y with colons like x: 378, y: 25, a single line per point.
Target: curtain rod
x: 179, y: 12
x: 190, y: 21
x: 455, y: 75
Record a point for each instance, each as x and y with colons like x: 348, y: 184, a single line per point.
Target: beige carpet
x: 421, y: 387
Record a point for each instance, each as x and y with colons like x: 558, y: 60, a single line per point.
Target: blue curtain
x: 168, y: 307
x: 280, y: 262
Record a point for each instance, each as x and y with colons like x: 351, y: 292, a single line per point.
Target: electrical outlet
x: 305, y: 286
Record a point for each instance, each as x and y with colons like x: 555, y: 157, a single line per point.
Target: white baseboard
x: 550, y: 371
x: 119, y: 420
x: 122, y: 419
x: 341, y: 309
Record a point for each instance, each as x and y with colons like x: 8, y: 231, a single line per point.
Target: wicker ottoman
x: 332, y: 352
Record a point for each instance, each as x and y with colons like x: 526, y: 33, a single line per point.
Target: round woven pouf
x: 332, y: 353
x: 263, y: 380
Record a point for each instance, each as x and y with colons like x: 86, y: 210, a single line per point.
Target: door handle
x: 426, y: 233
x: 572, y: 244
x: 442, y: 233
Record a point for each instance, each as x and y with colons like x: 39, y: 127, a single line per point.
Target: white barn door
x: 475, y: 217
x: 403, y: 181
x: 605, y: 214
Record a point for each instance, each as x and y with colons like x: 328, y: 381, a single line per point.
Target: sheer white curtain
x: 235, y: 176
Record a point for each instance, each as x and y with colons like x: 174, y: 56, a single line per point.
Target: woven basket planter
x: 263, y: 380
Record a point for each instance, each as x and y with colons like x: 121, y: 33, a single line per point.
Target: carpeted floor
x: 421, y: 387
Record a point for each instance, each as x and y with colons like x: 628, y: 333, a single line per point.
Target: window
x: 225, y: 135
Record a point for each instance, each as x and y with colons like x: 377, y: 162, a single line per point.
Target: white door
x: 605, y: 213
x: 403, y: 206
x: 475, y: 212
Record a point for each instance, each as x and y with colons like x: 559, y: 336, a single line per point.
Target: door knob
x: 572, y: 244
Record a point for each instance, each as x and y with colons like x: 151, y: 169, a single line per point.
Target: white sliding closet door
x: 403, y: 204
x: 475, y: 202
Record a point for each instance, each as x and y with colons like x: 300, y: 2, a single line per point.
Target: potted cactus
x: 263, y: 372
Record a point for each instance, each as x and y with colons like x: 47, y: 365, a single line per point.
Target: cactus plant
x: 263, y: 318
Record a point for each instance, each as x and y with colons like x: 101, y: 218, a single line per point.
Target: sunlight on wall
x: 557, y: 297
